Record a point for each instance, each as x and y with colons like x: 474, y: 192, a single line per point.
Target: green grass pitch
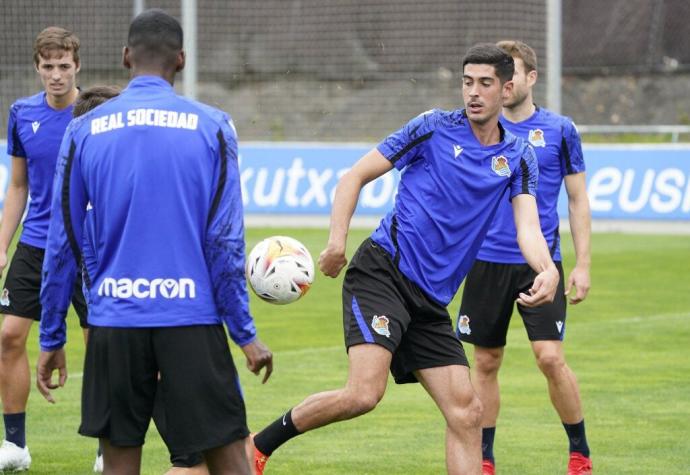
x: 628, y: 344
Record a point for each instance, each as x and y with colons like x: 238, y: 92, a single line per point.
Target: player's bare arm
x: 371, y: 166
x: 535, y: 250
x: 258, y: 357
x: 49, y: 361
x: 13, y: 210
x: 581, y: 230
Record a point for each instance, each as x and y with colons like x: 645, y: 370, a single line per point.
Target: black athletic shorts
x: 488, y: 299
x: 21, y: 295
x: 176, y: 459
x: 200, y: 390
x: 382, y: 306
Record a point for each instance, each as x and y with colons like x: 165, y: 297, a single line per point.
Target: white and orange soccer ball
x: 280, y: 270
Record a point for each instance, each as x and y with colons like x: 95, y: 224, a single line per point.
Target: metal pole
x: 138, y: 7
x: 553, y: 54
x: 190, y: 46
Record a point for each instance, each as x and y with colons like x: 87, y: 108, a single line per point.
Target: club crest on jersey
x: 536, y: 138
x: 464, y: 325
x: 380, y: 325
x: 500, y: 165
x: 5, y: 298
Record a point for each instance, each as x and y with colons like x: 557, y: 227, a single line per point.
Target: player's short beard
x: 517, y: 100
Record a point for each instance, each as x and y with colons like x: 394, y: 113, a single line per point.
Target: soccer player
x: 500, y: 272
x: 35, y: 129
x: 160, y: 174
x: 188, y: 464
x: 457, y: 166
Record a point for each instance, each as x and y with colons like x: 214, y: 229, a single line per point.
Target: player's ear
x: 532, y: 77
x: 180, y: 61
x: 126, y: 62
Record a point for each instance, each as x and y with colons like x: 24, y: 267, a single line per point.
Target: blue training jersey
x: 556, y: 143
x: 166, y: 233
x: 34, y: 132
x: 449, y: 191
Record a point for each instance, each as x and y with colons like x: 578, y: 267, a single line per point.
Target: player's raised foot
x: 579, y: 464
x: 257, y: 460
x: 14, y: 458
x: 98, y: 464
x: 488, y: 467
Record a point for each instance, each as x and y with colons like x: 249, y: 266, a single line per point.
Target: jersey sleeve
x: 404, y: 146
x: 62, y: 254
x: 15, y: 148
x: 224, y: 243
x: 526, y: 175
x: 572, y: 160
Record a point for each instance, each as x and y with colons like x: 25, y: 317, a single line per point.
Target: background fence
x: 355, y: 70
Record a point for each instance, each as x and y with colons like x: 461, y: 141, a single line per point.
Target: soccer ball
x: 280, y: 270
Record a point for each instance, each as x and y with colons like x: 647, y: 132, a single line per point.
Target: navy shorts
x: 383, y: 307
x: 21, y: 295
x: 199, y: 387
x: 488, y: 300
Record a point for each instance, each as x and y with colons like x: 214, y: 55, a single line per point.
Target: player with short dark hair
x: 160, y: 174
x: 182, y: 463
x: 35, y: 129
x: 501, y: 273
x: 457, y: 166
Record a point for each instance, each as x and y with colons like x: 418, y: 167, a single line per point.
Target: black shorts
x: 200, y: 390
x: 487, y: 305
x: 21, y: 295
x: 382, y: 306
x: 176, y: 459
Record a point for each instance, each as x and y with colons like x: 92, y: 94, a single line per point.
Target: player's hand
x: 332, y: 260
x: 48, y: 361
x: 258, y: 356
x: 543, y: 288
x: 579, y: 278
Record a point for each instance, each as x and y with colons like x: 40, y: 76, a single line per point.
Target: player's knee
x: 361, y: 402
x: 488, y: 360
x: 12, y: 342
x: 551, y: 364
x: 467, y: 414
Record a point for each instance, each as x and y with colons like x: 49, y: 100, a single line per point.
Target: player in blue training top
x: 456, y: 167
x: 35, y: 129
x: 160, y: 174
x: 500, y: 272
x: 182, y: 463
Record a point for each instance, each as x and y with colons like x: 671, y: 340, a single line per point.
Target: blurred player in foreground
x: 501, y: 273
x: 160, y: 174
x: 35, y: 128
x: 458, y: 166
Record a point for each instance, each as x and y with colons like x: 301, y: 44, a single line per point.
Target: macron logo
x: 147, y: 289
x: 457, y: 149
x: 35, y: 125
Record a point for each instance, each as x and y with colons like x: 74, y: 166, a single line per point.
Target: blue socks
x: 15, y: 428
x: 576, y: 436
x: 488, y: 434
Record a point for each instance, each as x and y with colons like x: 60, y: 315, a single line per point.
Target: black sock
x: 99, y: 450
x: 577, y: 438
x: 488, y: 434
x: 15, y: 428
x: 276, y: 434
